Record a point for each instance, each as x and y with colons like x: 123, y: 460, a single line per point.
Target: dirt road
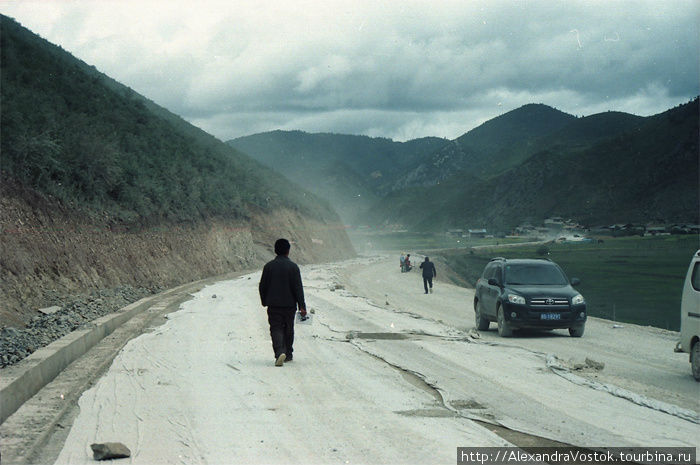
x: 385, y: 374
x: 637, y: 358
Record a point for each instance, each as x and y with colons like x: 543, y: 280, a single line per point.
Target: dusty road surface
x: 385, y: 374
x: 637, y: 358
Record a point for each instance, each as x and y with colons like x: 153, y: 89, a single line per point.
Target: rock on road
x: 385, y: 374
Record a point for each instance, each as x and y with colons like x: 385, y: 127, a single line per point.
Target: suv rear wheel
x: 504, y: 329
x: 577, y: 331
x: 482, y: 324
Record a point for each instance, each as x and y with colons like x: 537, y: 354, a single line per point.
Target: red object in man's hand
x: 302, y: 311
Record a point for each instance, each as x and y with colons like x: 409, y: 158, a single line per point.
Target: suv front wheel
x: 577, y: 331
x: 482, y: 324
x: 504, y: 328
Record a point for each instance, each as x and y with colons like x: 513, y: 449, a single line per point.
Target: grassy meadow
x: 633, y: 279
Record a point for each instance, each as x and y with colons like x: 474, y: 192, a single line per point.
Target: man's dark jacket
x: 428, y: 269
x: 280, y: 284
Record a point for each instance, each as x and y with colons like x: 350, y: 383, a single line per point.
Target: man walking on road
x: 429, y: 273
x: 281, y: 291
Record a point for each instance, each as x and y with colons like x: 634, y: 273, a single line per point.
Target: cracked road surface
x: 385, y: 374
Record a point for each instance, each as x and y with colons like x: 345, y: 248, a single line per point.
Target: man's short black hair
x: 282, y: 246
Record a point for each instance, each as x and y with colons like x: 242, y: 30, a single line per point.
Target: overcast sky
x: 399, y: 69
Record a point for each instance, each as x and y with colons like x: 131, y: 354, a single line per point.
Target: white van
x: 690, y: 315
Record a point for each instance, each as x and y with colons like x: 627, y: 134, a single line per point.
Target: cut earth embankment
x: 50, y: 252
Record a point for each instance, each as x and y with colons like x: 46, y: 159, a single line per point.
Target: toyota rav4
x: 522, y: 293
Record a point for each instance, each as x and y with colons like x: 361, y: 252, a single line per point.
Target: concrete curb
x: 21, y: 382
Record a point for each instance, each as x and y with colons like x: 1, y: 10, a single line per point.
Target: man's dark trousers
x: 427, y: 280
x: 281, y: 321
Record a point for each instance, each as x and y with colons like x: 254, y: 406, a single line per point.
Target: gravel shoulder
x: 70, y: 314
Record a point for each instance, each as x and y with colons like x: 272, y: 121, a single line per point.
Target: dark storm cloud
x: 395, y: 69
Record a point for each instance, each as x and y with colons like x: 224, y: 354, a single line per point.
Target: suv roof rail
x: 497, y: 258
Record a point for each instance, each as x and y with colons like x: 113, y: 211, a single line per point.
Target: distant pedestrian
x: 429, y: 273
x: 407, y: 263
x: 402, y: 260
x: 281, y: 291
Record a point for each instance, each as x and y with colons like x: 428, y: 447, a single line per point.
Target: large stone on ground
x: 50, y: 310
x: 109, y: 451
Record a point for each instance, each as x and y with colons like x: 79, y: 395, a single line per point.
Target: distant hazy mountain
x: 529, y: 163
x: 352, y: 172
x: 611, y: 167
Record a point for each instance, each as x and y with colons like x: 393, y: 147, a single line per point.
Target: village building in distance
x: 559, y: 229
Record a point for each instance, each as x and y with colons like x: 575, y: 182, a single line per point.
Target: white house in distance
x: 555, y: 222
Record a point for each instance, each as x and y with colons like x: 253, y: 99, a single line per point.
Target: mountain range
x: 525, y: 165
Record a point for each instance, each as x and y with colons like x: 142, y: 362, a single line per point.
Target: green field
x: 635, y: 279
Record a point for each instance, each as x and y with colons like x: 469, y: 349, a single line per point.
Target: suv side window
x: 493, y: 270
x: 498, y: 273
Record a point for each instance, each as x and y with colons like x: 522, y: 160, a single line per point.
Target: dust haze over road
x: 385, y: 374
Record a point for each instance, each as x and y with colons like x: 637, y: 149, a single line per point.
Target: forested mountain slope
x: 529, y: 163
x: 647, y: 170
x: 100, y: 187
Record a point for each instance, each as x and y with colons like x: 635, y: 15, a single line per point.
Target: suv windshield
x: 534, y: 274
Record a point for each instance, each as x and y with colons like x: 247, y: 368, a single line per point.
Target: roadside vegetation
x: 75, y: 135
x: 629, y: 280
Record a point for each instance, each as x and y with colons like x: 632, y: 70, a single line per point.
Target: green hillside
x: 489, y: 149
x: 504, y: 141
x: 648, y: 170
x: 76, y: 135
x: 583, y: 132
x: 526, y: 165
x: 639, y: 176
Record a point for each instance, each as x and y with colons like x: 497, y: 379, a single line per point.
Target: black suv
x: 521, y: 293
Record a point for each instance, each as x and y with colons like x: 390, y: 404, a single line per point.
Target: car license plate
x: 550, y: 316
